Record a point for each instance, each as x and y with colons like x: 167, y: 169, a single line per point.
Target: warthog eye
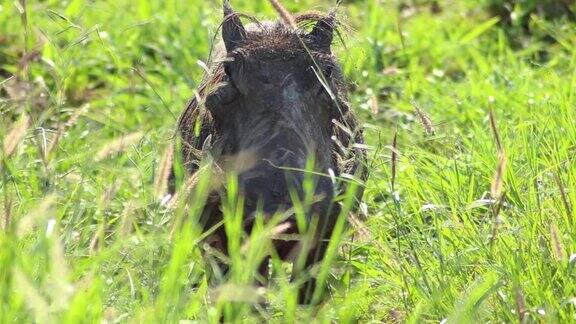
x: 228, y: 70
x: 328, y: 71
x: 217, y: 101
x: 321, y: 79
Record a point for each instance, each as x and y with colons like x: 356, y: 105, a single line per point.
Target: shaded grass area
x: 89, y: 92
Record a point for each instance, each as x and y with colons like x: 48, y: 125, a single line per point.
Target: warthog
x: 275, y: 90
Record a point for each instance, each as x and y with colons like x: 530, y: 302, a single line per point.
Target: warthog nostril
x: 281, y: 155
x: 279, y: 193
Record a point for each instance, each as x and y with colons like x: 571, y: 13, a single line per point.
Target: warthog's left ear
x: 323, y: 32
x: 233, y: 32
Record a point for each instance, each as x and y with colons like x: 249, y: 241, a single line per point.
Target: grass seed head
x: 283, y: 13
x: 15, y: 135
x: 558, y: 249
x: 62, y: 129
x: 498, y: 178
x: 163, y: 172
x: 425, y: 120
x: 520, y: 305
x: 374, y: 105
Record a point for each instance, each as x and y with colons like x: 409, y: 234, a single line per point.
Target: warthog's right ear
x: 323, y: 32
x: 233, y: 32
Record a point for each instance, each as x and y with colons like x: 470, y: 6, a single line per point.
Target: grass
x: 475, y: 223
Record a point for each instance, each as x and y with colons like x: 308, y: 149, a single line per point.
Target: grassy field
x: 475, y: 224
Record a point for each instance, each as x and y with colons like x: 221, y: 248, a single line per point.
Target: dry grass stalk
x: 283, y: 13
x: 5, y: 219
x: 425, y: 120
x: 396, y: 316
x: 498, y: 178
x: 6, y: 80
x: 60, y: 290
x: 181, y: 197
x: 278, y: 230
x: 494, y: 127
x: 188, y: 186
x: 374, y: 105
x: 558, y: 249
x: 95, y: 241
x: 394, y: 160
x: 239, y: 163
x: 109, y: 194
x: 520, y: 306
x: 29, y: 57
x: 41, y: 212
x: 163, y: 172
x: 364, y: 231
x: 34, y: 299
x: 496, y: 207
x: 564, y: 197
x: 15, y: 135
x: 359, y: 226
x: 217, y: 179
x: 343, y: 127
x: 118, y: 145
x: 237, y: 293
x: 7, y: 214
x: 73, y: 119
x: 126, y: 219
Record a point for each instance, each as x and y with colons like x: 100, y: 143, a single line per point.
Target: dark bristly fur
x: 264, y: 94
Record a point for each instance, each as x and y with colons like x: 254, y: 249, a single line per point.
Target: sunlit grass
x: 89, y: 92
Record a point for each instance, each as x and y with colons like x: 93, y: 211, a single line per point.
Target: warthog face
x: 275, y: 102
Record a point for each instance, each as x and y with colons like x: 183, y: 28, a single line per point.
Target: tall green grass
x: 89, y: 92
